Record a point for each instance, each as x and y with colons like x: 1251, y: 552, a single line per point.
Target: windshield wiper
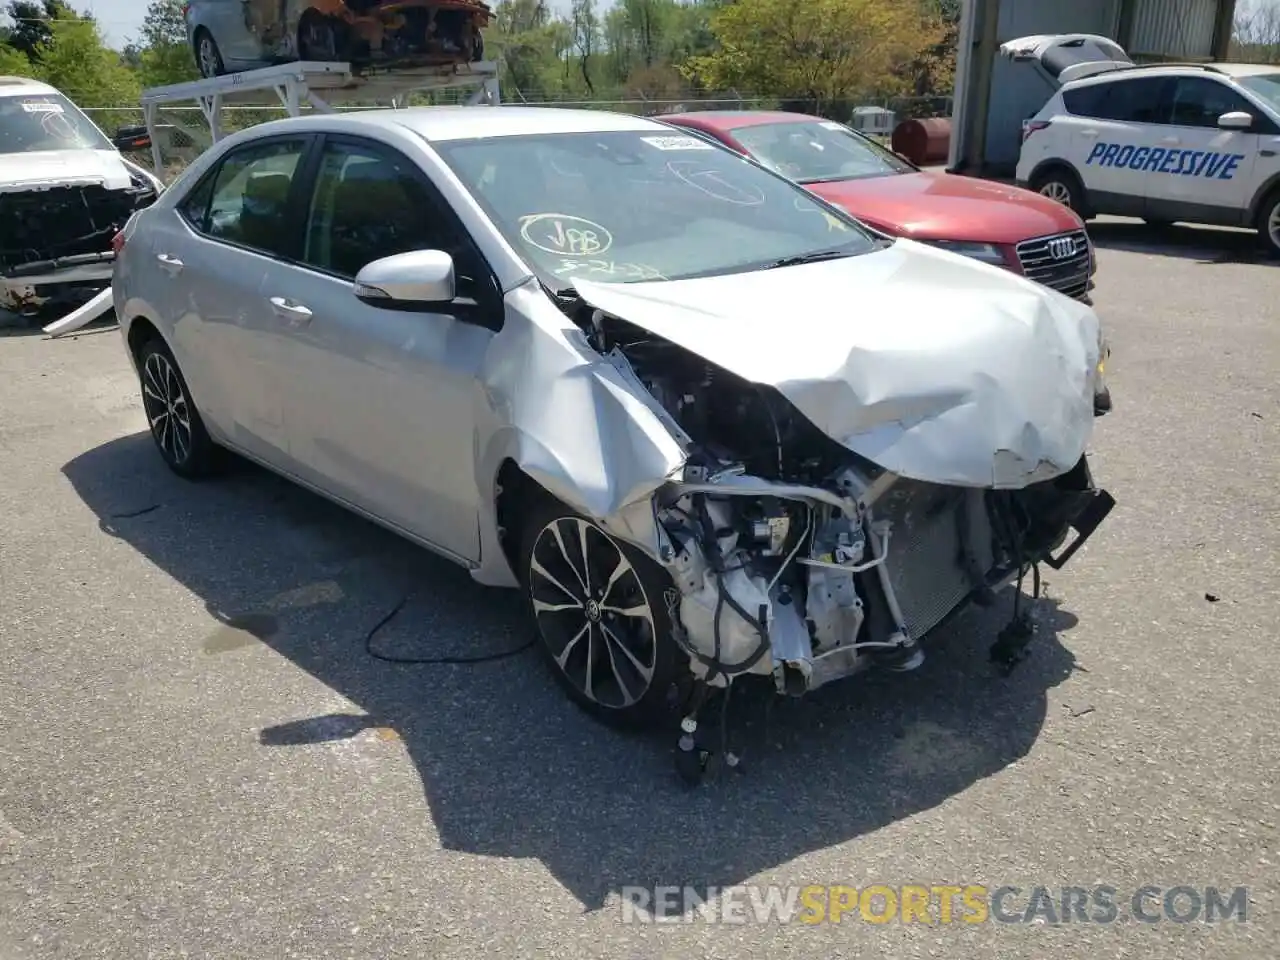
x: 809, y: 258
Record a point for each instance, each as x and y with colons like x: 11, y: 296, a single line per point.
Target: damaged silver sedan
x: 709, y: 425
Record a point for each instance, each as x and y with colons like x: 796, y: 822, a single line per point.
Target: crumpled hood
x: 58, y: 168
x: 931, y: 365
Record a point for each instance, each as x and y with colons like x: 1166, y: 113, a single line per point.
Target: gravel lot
x: 198, y: 757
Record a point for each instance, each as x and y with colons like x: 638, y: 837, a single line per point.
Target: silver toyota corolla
x: 709, y: 425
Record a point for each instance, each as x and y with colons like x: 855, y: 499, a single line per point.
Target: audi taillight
x: 1033, y: 126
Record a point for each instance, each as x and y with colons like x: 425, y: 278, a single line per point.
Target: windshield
x: 46, y: 121
x: 642, y: 205
x: 1264, y: 85
x: 810, y: 151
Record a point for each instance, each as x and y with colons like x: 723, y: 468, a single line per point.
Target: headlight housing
x: 984, y: 252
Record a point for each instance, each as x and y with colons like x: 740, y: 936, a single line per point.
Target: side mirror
x: 1236, y: 120
x: 132, y: 139
x: 419, y: 277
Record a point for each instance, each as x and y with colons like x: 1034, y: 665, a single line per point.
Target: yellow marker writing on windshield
x: 834, y: 222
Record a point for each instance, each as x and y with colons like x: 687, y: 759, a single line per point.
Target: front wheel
x: 176, y: 426
x: 1269, y: 224
x: 600, y: 609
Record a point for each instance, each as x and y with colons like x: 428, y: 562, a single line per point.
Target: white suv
x: 1196, y: 143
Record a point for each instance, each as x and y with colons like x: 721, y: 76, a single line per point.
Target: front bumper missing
x: 30, y: 287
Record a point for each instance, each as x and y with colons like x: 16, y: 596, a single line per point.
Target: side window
x: 195, y: 208
x: 370, y: 202
x: 1085, y: 101
x: 1199, y: 102
x: 1132, y: 100
x: 245, y: 200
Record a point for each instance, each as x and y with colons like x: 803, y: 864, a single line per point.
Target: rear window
x: 1064, y: 55
x: 1085, y: 101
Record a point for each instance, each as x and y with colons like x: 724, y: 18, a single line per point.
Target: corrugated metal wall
x: 1017, y: 90
x: 1173, y: 29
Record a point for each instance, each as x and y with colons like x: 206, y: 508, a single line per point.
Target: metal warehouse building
x: 994, y: 95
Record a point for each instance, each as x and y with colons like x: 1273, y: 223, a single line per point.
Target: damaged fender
x: 581, y: 430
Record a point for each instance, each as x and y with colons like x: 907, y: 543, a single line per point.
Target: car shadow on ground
x: 508, y: 767
x: 1205, y: 245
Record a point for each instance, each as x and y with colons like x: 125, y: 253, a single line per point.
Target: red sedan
x: 1012, y: 228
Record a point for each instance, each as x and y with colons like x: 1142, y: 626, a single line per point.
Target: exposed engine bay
x: 369, y: 31
x: 55, y: 241
x: 796, y: 559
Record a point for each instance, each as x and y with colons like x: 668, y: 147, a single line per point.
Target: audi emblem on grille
x: 1060, y: 248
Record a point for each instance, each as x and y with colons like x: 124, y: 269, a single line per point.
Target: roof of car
x: 466, y: 122
x: 1231, y: 70
x: 732, y: 119
x: 16, y: 86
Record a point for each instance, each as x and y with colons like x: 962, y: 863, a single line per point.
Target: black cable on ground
x: 387, y: 658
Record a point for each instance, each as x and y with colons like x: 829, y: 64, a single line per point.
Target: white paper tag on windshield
x: 42, y: 107
x: 677, y: 143
x: 832, y: 125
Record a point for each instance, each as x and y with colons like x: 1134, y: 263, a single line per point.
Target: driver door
x: 381, y: 402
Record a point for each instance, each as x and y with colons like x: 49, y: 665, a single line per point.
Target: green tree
x: 14, y: 63
x: 823, y: 50
x: 586, y: 31
x: 33, y: 24
x: 163, y: 54
x: 77, y: 61
x: 530, y: 44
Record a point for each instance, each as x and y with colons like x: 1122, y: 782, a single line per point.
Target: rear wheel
x: 1269, y: 223
x: 208, y: 56
x: 600, y: 609
x: 1060, y: 184
x: 176, y: 426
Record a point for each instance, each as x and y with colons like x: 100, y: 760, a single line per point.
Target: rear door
x: 219, y: 252
x: 1207, y: 173
x: 1115, y: 144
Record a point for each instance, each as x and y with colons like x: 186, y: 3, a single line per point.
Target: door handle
x: 1266, y: 153
x: 169, y: 263
x: 1169, y: 141
x: 1091, y: 134
x: 296, y: 313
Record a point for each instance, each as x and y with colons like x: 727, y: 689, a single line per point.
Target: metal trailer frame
x: 292, y: 85
x: 319, y: 85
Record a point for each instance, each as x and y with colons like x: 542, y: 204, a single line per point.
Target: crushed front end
x: 795, y: 559
x: 55, y: 240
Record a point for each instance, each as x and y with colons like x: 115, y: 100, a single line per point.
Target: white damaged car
x: 65, y: 191
x: 709, y: 425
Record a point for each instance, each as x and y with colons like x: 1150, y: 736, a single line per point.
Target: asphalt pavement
x: 199, y: 757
